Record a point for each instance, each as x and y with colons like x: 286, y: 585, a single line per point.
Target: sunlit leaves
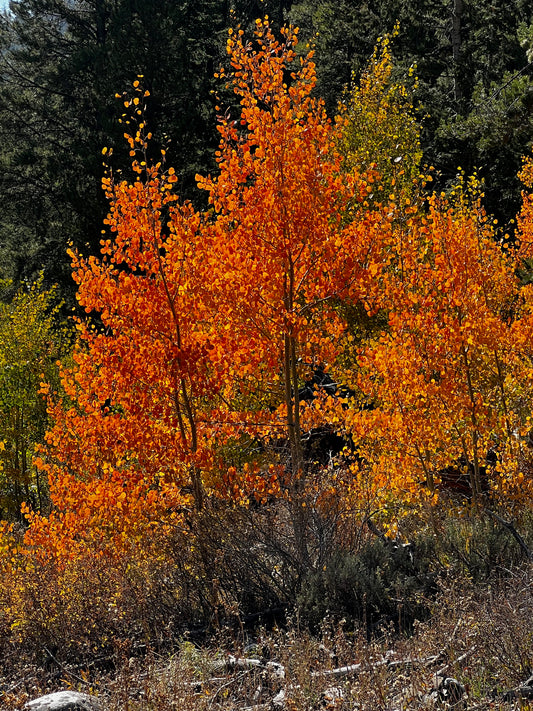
x: 449, y: 379
x: 31, y: 341
x: 202, y: 327
x: 206, y: 324
x: 381, y: 133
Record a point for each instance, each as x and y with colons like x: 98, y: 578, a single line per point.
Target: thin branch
x: 512, y: 530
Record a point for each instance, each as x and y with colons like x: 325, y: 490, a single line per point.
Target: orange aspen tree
x: 523, y: 326
x: 286, y: 246
x: 446, y: 379
x: 131, y: 438
x: 191, y: 315
x: 525, y: 216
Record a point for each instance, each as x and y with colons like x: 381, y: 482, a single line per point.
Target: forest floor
x: 475, y: 651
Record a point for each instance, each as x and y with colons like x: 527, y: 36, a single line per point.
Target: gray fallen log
x: 231, y: 663
x: 277, y: 670
x: 354, y: 669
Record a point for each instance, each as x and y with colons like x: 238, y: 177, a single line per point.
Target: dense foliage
x: 61, y: 64
x: 315, y: 347
x: 31, y: 343
x: 473, y: 63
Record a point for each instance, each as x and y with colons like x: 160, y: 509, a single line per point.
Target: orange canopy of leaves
x: 450, y: 378
x: 283, y: 244
x: 202, y: 326
x: 192, y: 315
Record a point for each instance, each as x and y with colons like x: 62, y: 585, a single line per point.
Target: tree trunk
x: 292, y: 400
x: 456, y: 48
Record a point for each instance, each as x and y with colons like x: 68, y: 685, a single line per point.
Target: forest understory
x: 444, y: 623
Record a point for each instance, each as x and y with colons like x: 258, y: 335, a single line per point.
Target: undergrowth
x: 457, y: 598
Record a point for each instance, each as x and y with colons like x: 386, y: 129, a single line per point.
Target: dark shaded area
x: 386, y: 582
x: 475, y: 90
x: 457, y: 478
x: 61, y: 65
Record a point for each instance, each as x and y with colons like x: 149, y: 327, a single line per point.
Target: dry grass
x: 482, y: 636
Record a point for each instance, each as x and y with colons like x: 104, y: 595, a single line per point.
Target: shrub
x: 385, y: 582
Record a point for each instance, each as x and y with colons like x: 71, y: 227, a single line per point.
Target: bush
x: 385, y: 582
x: 481, y: 547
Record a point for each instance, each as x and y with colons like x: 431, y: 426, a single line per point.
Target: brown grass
x: 481, y: 635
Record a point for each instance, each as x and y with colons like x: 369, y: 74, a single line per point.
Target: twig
x: 442, y: 671
x: 512, y: 530
x: 228, y: 683
x: 18, y: 683
x: 64, y: 668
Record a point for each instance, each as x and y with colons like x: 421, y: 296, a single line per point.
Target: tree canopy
x: 309, y: 343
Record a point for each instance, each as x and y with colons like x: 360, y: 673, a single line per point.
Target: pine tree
x: 61, y: 64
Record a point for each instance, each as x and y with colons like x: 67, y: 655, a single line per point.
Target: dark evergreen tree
x: 475, y: 77
x: 247, y: 11
x: 63, y: 61
x: 61, y: 64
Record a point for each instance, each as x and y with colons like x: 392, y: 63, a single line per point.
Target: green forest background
x: 63, y: 61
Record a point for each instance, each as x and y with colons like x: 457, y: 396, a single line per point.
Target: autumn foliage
x: 449, y: 377
x: 201, y: 328
x: 207, y: 323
